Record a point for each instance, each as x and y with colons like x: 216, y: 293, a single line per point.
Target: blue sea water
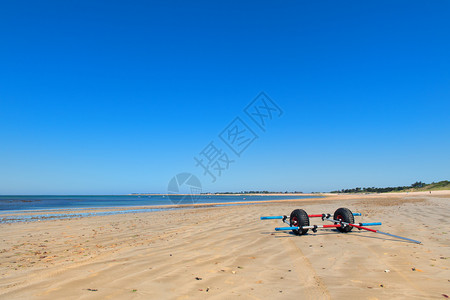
x: 71, y: 202
x: 39, y: 208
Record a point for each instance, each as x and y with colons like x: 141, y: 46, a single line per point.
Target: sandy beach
x: 228, y: 252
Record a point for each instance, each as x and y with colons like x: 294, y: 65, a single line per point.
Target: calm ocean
x: 8, y: 203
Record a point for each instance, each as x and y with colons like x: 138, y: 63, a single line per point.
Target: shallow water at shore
x: 38, y: 208
x: 89, y: 201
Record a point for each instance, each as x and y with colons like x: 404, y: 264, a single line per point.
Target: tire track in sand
x: 314, y: 288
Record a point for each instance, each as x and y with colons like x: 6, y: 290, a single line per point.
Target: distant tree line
x: 255, y: 192
x: 415, y: 185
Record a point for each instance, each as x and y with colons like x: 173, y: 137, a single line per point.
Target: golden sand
x: 227, y: 252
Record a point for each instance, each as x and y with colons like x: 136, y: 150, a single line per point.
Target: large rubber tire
x: 299, y: 218
x: 345, y: 215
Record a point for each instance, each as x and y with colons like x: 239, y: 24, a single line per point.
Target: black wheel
x: 299, y: 218
x: 345, y: 215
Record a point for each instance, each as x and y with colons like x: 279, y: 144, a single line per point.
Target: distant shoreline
x: 230, y: 194
x: 12, y: 210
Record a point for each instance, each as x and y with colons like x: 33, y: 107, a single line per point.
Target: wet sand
x: 227, y: 252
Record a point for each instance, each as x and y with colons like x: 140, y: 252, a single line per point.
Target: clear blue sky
x: 113, y: 97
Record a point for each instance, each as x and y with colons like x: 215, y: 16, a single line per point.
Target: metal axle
x: 311, y: 216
